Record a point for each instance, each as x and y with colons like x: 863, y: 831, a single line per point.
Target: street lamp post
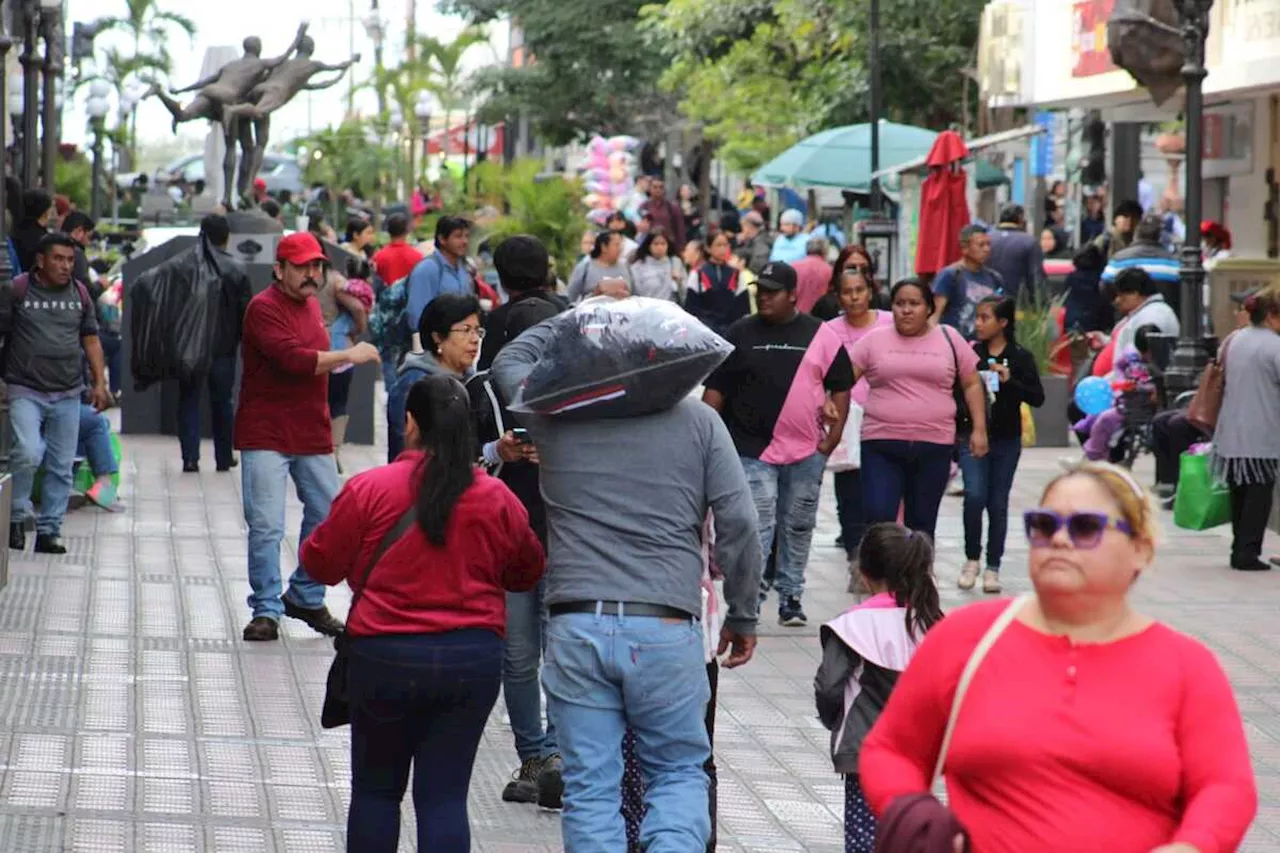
x: 30, y: 16
x: 6, y: 273
x: 1192, y: 351
x: 422, y: 111
x: 17, y: 111
x: 395, y: 123
x: 51, y: 29
x: 97, y: 107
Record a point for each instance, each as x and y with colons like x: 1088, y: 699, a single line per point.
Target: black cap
x: 777, y: 276
x: 1240, y: 297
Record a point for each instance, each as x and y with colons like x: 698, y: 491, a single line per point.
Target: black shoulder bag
x: 336, y: 710
x: 964, y: 422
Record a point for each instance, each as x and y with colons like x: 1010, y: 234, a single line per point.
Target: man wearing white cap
x: 790, y: 245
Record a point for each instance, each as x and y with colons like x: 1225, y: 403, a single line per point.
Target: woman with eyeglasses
x: 450, y: 331
x: 1087, y: 725
x: 853, y: 257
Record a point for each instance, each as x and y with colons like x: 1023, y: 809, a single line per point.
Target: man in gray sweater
x: 626, y: 500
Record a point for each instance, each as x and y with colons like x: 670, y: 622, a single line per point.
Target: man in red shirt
x: 665, y: 213
x: 283, y: 431
x: 397, y: 259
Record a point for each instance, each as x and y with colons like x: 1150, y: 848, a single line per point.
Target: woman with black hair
x: 655, y: 272
x: 451, y: 333
x: 36, y: 212
x: 359, y: 237
x: 429, y: 546
x: 921, y: 377
x: 1010, y: 372
x: 851, y: 257
x: 604, y: 262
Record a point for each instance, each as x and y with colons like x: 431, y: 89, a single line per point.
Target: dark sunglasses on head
x: 1084, y: 529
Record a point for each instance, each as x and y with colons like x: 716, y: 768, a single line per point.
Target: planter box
x: 1053, y: 425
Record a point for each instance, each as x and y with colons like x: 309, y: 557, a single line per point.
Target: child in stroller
x: 1136, y: 388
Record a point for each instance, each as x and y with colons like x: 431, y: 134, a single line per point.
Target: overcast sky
x: 336, y: 26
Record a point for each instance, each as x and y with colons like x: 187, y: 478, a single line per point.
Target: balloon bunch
x: 608, y: 174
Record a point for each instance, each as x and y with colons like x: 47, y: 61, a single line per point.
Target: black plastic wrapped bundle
x: 620, y: 358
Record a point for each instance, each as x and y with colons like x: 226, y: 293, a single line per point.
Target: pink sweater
x: 1061, y: 748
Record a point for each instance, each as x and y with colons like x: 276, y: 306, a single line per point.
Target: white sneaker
x: 1067, y: 463
x: 968, y: 575
x: 991, y: 582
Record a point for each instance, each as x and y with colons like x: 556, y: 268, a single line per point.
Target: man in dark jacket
x: 523, y: 270
x: 236, y: 293
x: 1015, y: 254
x: 1148, y: 253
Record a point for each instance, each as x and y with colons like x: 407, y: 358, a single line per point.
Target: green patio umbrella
x: 989, y: 175
x: 841, y: 157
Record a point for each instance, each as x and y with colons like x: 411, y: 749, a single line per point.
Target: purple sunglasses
x: 1085, y: 529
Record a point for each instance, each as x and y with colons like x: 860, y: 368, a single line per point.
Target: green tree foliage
x: 591, y: 70
x: 546, y: 206
x: 761, y: 74
x: 348, y: 156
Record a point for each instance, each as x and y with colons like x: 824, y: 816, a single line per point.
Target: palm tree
x: 443, y: 65
x: 144, y: 21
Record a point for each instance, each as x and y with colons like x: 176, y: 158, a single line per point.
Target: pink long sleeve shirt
x: 1063, y: 747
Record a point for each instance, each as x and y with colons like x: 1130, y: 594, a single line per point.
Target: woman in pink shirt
x: 857, y: 293
x: 1087, y: 725
x: 916, y: 374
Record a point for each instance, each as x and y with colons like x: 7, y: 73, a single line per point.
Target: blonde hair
x: 1133, y: 500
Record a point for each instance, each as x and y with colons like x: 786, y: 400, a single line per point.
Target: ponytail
x: 902, y: 560
x: 440, y: 407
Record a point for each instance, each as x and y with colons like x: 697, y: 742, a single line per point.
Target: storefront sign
x: 1252, y: 29
x: 1089, y: 38
x: 1228, y: 139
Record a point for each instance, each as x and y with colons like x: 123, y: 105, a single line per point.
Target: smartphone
x: 521, y: 436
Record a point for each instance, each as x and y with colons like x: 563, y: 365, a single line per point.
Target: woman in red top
x: 1088, y: 725
x: 427, y: 628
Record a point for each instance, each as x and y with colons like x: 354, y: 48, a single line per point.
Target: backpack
x: 386, y: 322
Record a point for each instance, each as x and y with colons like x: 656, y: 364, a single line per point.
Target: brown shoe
x: 319, y: 620
x: 261, y: 629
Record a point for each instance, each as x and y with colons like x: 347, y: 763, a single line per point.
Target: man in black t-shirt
x: 784, y: 394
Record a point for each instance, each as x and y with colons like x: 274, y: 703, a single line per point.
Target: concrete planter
x: 1053, y: 425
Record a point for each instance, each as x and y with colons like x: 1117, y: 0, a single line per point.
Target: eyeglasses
x: 478, y: 331
x: 1085, y: 529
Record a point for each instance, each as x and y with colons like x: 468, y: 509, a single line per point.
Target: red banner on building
x: 1089, y: 38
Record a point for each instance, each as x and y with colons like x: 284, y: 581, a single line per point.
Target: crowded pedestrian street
x: 134, y: 719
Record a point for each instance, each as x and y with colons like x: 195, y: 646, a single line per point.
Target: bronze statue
x: 249, y: 121
x: 227, y: 86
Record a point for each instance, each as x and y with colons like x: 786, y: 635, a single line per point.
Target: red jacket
x: 416, y: 587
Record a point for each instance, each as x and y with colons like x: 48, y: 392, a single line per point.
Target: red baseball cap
x: 299, y: 249
x: 259, y: 184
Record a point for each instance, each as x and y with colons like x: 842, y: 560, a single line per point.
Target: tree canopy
x: 592, y: 72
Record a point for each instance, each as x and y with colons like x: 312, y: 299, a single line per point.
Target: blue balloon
x: 1093, y: 395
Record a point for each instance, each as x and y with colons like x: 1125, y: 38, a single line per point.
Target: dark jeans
x: 111, y: 357
x: 853, y: 520
x: 339, y: 392
x: 633, y: 807
x: 419, y: 699
x: 1171, y: 436
x: 1250, y: 511
x: 911, y: 473
x: 221, y: 379
x: 987, y: 483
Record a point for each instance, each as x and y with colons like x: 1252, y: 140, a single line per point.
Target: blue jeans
x: 987, y: 483
x: 786, y: 499
x: 526, y: 643
x: 420, y: 700
x: 221, y: 379
x: 853, y: 521
x: 94, y: 443
x: 111, y: 358
x: 44, y: 435
x: 603, y: 673
x: 264, y: 478
x: 913, y: 474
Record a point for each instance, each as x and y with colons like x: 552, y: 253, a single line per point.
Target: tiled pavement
x: 132, y: 718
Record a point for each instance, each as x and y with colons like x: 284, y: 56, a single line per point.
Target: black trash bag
x: 1145, y: 38
x: 175, y: 310
x: 612, y: 358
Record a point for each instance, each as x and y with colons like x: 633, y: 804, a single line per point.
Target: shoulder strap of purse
x: 955, y: 356
x: 390, y: 538
x: 970, y: 668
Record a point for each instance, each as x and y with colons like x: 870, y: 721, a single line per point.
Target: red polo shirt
x: 284, y: 405
x: 395, y: 260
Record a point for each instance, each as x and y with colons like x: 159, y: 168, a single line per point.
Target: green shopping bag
x: 1201, y: 503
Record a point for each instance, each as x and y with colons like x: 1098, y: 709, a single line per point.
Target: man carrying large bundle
x: 626, y: 496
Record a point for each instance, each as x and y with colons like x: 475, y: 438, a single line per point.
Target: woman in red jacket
x: 1088, y: 725
x: 427, y: 620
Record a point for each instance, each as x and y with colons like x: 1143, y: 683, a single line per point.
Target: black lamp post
x: 1192, y: 351
x: 97, y: 107
x: 51, y: 30
x: 6, y: 272
x: 30, y: 18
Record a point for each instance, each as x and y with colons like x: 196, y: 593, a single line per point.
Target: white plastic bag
x: 848, y: 453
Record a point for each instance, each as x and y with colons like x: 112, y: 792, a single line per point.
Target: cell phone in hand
x: 521, y: 436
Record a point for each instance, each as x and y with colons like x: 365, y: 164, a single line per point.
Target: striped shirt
x: 1160, y: 265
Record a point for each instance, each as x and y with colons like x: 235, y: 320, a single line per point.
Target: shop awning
x: 974, y: 146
